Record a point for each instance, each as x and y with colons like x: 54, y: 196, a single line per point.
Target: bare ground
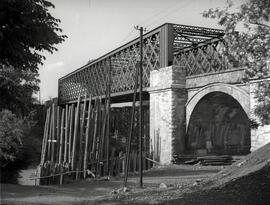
x: 92, y: 192
x: 246, y: 182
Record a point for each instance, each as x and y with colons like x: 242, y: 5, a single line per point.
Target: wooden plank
x: 85, y: 160
x: 77, y: 115
x: 61, y: 137
x: 70, y: 133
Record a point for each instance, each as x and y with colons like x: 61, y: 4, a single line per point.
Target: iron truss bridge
x: 199, y: 50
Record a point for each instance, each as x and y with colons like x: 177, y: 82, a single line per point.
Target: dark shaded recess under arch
x: 218, y: 125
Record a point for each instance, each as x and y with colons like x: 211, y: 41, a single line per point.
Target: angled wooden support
x: 82, y: 134
x: 66, y: 133
x: 71, y: 125
x: 87, y: 132
x: 76, y: 128
x: 53, y: 134
x: 45, y: 137
x: 61, y: 137
x: 50, y: 134
x: 93, y: 152
x: 58, y: 130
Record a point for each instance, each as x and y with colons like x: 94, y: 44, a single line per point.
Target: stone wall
x: 167, y: 113
x: 233, y: 76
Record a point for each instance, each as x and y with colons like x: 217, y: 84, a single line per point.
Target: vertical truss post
x: 166, y: 45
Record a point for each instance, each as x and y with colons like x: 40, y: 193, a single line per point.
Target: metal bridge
x: 199, y: 50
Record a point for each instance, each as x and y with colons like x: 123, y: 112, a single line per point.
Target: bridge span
x: 197, y: 101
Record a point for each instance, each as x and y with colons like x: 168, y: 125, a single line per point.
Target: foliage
x: 11, y: 133
x: 20, y: 143
x: 26, y: 30
x: 250, y: 46
x: 16, y: 89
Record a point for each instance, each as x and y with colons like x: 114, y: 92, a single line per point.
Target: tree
x: 250, y: 45
x: 26, y: 30
x: 16, y: 89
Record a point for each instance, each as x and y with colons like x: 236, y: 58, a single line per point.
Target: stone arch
x: 240, y: 95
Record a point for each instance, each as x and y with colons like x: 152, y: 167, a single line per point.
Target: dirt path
x: 89, y: 192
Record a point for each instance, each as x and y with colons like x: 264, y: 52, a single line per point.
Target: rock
x: 241, y: 163
x: 125, y: 189
x: 119, y: 190
x: 114, y: 192
x: 195, y: 184
x: 163, y: 186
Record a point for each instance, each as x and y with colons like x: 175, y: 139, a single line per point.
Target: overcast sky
x: 95, y: 27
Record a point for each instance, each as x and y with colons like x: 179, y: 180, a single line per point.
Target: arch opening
x: 218, y: 125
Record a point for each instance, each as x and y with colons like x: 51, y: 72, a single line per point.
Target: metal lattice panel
x: 92, y: 79
x: 207, y: 58
x: 190, y: 36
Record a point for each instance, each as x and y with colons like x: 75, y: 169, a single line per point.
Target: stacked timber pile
x: 212, y: 160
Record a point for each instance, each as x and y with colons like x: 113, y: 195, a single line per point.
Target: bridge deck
x: 198, y: 49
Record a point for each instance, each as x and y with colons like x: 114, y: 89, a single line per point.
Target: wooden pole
x: 77, y: 115
x: 102, y: 136
x: 68, y: 137
x: 50, y: 135
x: 95, y: 127
x: 82, y: 134
x: 61, y: 137
x: 99, y: 121
x: 70, y: 133
x: 53, y: 133
x: 140, y: 111
x: 66, y: 134
x: 44, y: 142
x: 109, y: 115
x: 85, y: 160
x: 58, y: 130
x: 131, y: 127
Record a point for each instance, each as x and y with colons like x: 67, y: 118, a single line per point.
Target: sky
x: 95, y: 27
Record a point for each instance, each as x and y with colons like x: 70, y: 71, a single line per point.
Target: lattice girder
x: 199, y: 50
